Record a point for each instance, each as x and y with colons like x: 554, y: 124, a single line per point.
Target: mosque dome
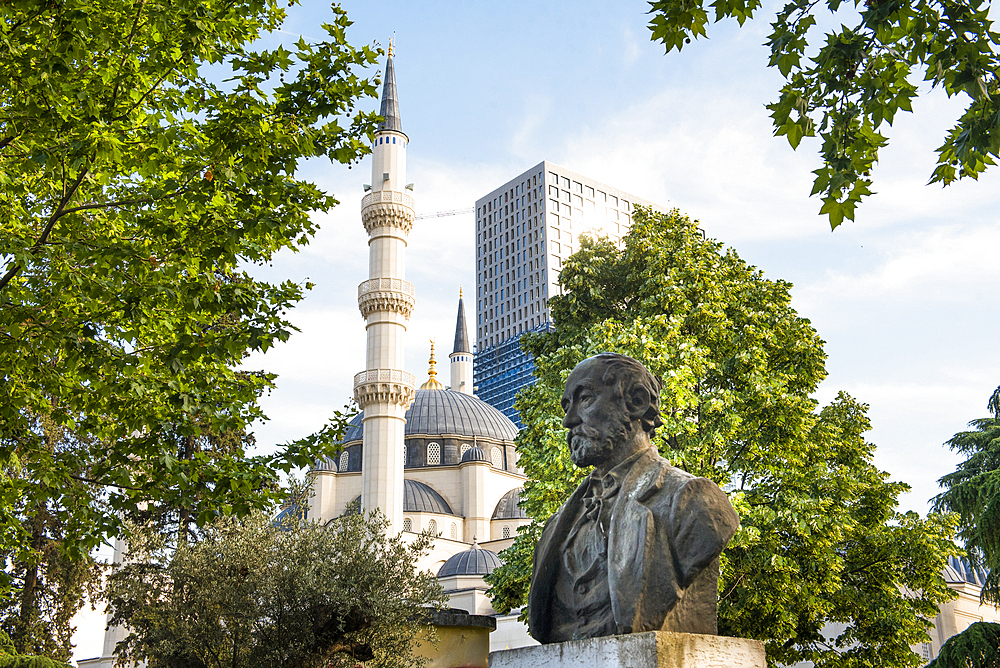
x: 420, y: 498
x: 475, y: 454
x: 438, y: 413
x: 474, y: 561
x: 509, y: 507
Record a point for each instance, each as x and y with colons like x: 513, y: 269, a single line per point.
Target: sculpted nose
x: 571, y: 419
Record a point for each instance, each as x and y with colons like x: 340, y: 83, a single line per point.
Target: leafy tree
x: 49, y: 585
x: 973, y: 491
x: 148, y: 155
x: 9, y: 658
x: 976, y: 647
x: 862, y: 76
x: 250, y: 593
x: 821, y: 541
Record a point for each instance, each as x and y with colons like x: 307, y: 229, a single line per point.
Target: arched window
x: 433, y: 453
x: 497, y: 456
x: 506, y: 532
x: 454, y: 531
x: 343, y: 461
x: 461, y: 450
x: 407, y: 524
x: 432, y: 527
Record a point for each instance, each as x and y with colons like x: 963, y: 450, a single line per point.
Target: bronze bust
x: 636, y: 547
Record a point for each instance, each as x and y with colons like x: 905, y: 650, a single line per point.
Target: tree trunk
x: 28, y: 611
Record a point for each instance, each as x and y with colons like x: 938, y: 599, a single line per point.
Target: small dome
x: 474, y: 561
x: 421, y: 498
x: 509, y: 506
x: 475, y: 454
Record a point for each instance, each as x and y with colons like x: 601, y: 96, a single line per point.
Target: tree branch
x: 56, y: 215
x: 131, y: 36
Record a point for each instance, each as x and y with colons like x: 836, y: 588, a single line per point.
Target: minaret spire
x: 461, y: 356
x: 390, y: 103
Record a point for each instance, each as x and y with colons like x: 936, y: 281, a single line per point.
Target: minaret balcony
x: 387, y: 208
x: 378, y: 196
x: 386, y: 294
x: 384, y: 386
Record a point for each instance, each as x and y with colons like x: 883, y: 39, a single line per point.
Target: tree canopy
x: 252, y: 592
x: 973, y: 491
x: 148, y: 156
x: 852, y: 84
x: 976, y: 647
x: 821, y: 541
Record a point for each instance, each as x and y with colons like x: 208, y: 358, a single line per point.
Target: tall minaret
x: 384, y: 391
x: 461, y: 357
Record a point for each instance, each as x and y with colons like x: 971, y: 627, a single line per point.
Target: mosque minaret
x: 384, y: 390
x: 461, y: 357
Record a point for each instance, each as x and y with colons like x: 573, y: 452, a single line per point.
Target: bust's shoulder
x: 657, y: 478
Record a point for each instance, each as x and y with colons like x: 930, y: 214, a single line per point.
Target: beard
x: 589, y: 446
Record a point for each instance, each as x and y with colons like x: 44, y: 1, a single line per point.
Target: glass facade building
x: 525, y: 230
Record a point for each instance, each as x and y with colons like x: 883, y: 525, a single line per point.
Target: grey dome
x: 421, y: 498
x: 436, y: 412
x: 475, y: 454
x: 440, y: 413
x: 474, y: 561
x: 509, y: 506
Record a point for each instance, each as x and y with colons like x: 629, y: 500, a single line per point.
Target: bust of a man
x: 636, y: 547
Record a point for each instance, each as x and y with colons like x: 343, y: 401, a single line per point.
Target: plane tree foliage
x: 252, y: 592
x: 850, y: 84
x: 149, y: 157
x: 821, y: 540
x: 973, y: 491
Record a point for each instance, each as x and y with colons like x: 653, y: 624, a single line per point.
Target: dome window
x: 343, y: 461
x: 433, y: 454
x: 506, y: 532
x: 432, y: 527
x: 497, y: 456
x: 454, y: 531
x: 463, y: 449
x: 407, y: 524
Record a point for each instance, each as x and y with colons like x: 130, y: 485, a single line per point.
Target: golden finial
x: 459, y: 290
x: 432, y: 381
x: 390, y: 45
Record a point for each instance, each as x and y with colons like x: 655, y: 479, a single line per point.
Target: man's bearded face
x: 595, y: 417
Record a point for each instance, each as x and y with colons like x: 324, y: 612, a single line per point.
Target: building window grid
x: 501, y: 327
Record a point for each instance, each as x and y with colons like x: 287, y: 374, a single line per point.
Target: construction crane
x: 442, y: 214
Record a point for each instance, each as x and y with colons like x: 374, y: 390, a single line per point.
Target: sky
x: 906, y: 298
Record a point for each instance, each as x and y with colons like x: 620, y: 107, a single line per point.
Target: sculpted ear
x: 638, y: 401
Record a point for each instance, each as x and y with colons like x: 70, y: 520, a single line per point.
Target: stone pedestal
x: 463, y: 640
x: 656, y: 649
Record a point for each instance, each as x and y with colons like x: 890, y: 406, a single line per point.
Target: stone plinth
x: 656, y: 649
x: 463, y: 640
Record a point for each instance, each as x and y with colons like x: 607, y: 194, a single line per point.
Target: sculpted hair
x: 624, y: 373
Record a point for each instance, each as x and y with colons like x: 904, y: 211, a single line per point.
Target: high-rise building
x: 525, y: 230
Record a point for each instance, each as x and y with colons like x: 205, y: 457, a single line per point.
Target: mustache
x: 586, y: 431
